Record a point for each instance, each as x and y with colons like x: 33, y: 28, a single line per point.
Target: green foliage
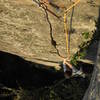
x: 78, y: 55
x: 85, y: 35
x: 81, y: 54
x: 74, y: 59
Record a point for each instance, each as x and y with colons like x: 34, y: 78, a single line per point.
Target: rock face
x: 93, y: 91
x: 24, y: 29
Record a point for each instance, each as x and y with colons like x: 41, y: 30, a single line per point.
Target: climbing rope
x: 66, y: 27
x: 45, y: 8
x: 44, y: 4
x: 73, y: 5
x: 66, y: 60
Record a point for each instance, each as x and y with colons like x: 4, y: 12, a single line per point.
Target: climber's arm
x: 67, y: 63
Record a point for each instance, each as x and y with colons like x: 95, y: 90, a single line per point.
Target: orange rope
x: 67, y: 36
x: 66, y: 28
x: 73, y: 5
x: 45, y: 3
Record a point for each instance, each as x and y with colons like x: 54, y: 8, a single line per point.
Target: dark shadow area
x: 86, y: 67
x: 95, y: 84
x: 15, y: 71
x: 37, y: 81
x: 93, y: 44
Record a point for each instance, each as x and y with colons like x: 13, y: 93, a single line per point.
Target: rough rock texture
x: 93, y: 91
x: 24, y: 29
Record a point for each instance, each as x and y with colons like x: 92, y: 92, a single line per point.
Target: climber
x: 70, y: 70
